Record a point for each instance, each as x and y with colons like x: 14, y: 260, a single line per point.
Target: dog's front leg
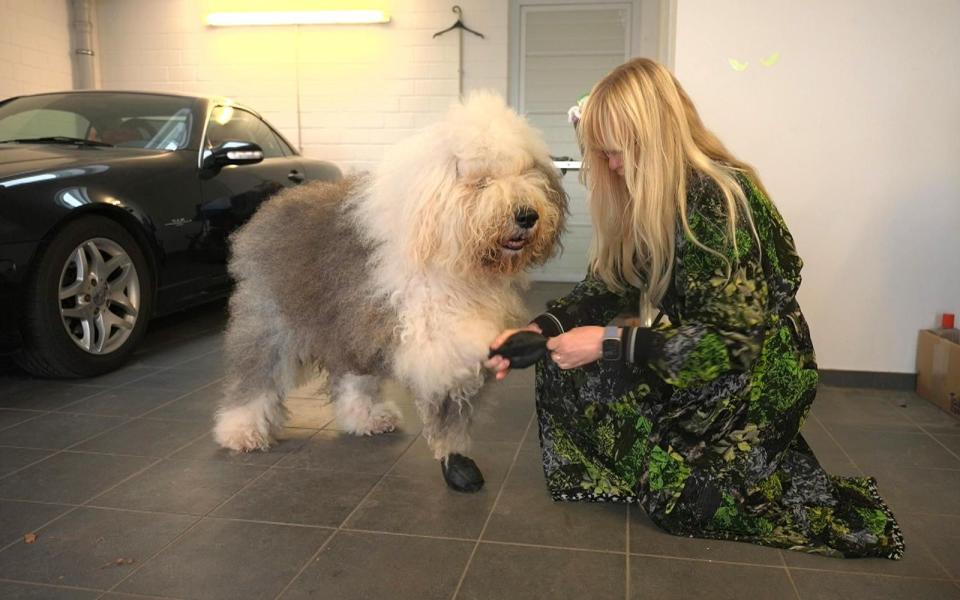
x: 446, y: 424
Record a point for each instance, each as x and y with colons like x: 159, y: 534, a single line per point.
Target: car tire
x: 87, y: 303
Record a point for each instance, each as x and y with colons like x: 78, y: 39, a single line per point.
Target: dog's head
x: 477, y: 193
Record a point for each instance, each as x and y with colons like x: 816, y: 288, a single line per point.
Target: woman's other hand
x: 577, y: 347
x: 498, y: 364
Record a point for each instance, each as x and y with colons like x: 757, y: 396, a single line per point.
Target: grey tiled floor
x: 129, y: 498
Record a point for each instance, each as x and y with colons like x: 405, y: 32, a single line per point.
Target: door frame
x: 652, y: 33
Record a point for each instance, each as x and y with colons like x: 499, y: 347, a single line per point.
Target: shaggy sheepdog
x: 408, y: 273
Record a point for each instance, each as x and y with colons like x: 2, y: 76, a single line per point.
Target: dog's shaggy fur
x: 407, y: 273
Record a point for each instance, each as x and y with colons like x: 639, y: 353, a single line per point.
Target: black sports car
x: 115, y: 207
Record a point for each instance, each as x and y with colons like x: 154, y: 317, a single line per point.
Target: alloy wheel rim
x: 99, y: 296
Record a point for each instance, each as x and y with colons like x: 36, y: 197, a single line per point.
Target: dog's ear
x: 433, y: 192
x: 557, y: 195
x: 553, y: 176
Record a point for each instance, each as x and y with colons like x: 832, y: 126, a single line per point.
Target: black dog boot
x: 461, y: 473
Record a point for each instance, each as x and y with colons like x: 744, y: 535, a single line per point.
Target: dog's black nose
x: 526, y: 217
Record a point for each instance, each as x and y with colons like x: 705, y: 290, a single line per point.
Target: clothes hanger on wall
x: 458, y: 25
x: 461, y: 28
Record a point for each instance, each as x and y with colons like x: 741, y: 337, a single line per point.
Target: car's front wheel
x: 88, y: 302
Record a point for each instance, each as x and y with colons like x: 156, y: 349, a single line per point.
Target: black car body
x: 167, y: 181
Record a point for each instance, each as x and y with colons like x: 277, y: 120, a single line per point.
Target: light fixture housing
x: 305, y: 17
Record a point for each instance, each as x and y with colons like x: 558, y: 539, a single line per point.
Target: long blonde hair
x: 640, y: 109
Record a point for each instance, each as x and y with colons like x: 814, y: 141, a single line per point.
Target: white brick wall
x: 361, y: 88
x: 34, y: 47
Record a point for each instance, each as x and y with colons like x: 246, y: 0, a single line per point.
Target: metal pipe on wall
x: 83, y: 58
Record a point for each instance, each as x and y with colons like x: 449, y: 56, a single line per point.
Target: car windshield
x: 120, y: 119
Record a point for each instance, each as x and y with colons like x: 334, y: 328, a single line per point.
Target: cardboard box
x: 938, y: 371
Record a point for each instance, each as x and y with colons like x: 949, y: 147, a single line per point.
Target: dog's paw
x: 238, y: 430
x: 461, y: 473
x: 384, y: 418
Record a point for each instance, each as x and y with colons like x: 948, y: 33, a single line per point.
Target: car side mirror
x: 232, y: 153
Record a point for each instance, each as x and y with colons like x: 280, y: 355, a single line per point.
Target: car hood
x: 21, y: 161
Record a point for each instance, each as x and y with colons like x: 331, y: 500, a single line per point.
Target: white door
x: 562, y: 48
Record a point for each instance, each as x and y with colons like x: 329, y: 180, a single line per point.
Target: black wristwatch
x: 612, y: 348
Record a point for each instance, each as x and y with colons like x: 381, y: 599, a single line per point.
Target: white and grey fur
x: 408, y: 273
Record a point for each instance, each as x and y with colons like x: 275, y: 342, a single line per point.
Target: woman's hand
x: 577, y: 347
x: 498, y: 364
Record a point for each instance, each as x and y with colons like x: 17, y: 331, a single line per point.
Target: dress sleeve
x: 723, y: 302
x: 591, y: 302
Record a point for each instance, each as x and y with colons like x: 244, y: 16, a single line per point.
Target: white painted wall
x: 856, y: 133
x: 34, y: 47
x: 361, y: 88
x: 854, y: 130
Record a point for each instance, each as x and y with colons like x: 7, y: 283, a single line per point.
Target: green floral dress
x: 702, y: 427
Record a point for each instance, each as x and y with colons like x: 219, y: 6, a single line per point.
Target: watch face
x: 611, y: 349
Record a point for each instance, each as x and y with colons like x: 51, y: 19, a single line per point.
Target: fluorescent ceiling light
x: 313, y: 17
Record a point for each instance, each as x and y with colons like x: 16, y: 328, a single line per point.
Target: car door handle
x: 295, y: 177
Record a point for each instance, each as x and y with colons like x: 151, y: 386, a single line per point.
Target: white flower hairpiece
x: 576, y: 111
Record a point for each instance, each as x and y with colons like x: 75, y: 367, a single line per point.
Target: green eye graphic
x: 736, y: 65
x: 771, y: 60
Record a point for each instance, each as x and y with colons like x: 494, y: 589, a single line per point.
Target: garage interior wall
x: 361, y: 88
x: 34, y: 47
x: 849, y: 110
x: 854, y: 130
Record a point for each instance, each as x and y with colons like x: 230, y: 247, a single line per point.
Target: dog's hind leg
x: 358, y: 406
x: 262, y: 366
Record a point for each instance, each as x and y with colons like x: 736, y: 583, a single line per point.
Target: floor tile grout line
x: 626, y: 585
x: 72, y: 448
x: 199, y: 518
x: 56, y: 586
x: 28, y: 465
x: 922, y: 431
x: 313, y: 526
x: 182, y: 396
x: 340, y: 528
x: 786, y: 568
x: 189, y: 528
x: 627, y: 552
x: 85, y: 503
x: 714, y: 561
x: 921, y: 543
x: 493, y: 507
x: 138, y: 416
x: 17, y: 424
x: 912, y: 468
x: 872, y: 574
x: 549, y: 547
x: 156, y: 371
x: 75, y: 508
x: 328, y: 527
x: 173, y: 341
x: 145, y: 596
x: 39, y: 411
x: 403, y: 534
x: 125, y: 420
x: 44, y: 502
x: 58, y: 451
x: 933, y: 437
x: 119, y: 454
x: 834, y: 440
x: 19, y: 540
x: 156, y: 461
x: 929, y: 514
x: 792, y: 568
x: 152, y: 464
